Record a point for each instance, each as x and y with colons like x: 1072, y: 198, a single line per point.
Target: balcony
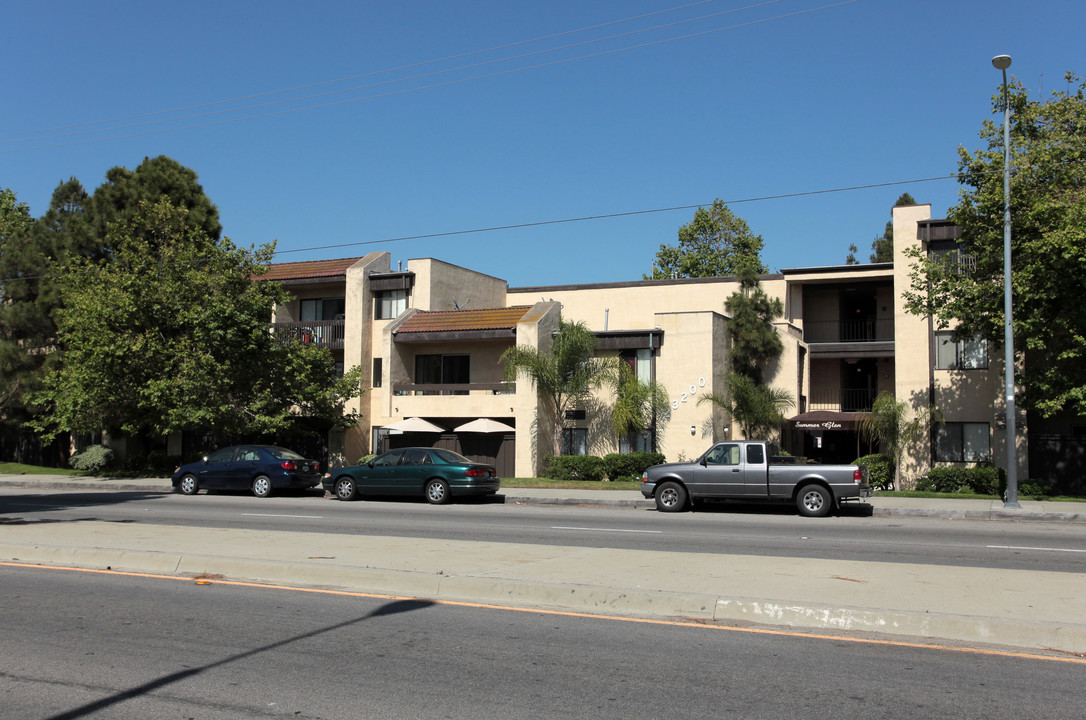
x: 850, y: 331
x: 841, y: 400
x: 495, y: 400
x: 497, y: 388
x: 325, y: 333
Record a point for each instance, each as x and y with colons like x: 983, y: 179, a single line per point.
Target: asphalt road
x: 80, y: 645
x: 724, y: 529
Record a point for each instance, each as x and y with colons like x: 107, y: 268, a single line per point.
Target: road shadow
x: 38, y: 503
x: 391, y: 608
x: 771, y: 509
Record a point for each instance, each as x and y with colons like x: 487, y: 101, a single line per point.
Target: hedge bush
x: 978, y: 480
x: 880, y: 470
x: 575, y: 467
x: 629, y: 466
x: 95, y: 458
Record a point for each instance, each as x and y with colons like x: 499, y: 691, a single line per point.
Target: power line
x: 371, y: 73
x: 560, y: 221
x: 435, y: 85
x: 362, y: 75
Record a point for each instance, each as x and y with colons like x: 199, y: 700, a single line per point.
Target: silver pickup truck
x: 744, y: 470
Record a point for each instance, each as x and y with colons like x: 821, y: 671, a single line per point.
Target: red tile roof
x: 455, y: 320
x: 309, y: 269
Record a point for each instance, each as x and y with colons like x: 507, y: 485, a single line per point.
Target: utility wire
x: 359, y: 76
x: 541, y: 223
x: 431, y: 85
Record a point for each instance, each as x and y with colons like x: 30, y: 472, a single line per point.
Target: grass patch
x: 10, y: 468
x: 545, y: 483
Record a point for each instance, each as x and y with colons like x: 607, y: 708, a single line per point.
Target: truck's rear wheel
x: 671, y: 497
x: 814, y: 501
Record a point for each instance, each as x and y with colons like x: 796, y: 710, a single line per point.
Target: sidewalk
x: 1043, y: 611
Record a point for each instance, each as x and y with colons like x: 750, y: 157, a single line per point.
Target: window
x: 755, y: 454
x: 723, y: 455
x: 575, y: 441
x: 377, y: 363
x: 961, y: 354
x: 963, y: 442
x: 443, y: 370
x: 322, y: 309
x: 388, y: 304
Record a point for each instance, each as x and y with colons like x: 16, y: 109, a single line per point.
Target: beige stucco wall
x: 535, y: 425
x: 442, y: 286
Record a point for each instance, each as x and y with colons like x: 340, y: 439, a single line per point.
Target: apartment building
x: 431, y: 334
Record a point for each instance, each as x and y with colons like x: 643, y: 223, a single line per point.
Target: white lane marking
x: 307, y: 517
x: 1041, y: 549
x: 563, y: 527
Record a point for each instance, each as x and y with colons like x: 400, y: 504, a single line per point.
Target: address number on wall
x: 690, y: 392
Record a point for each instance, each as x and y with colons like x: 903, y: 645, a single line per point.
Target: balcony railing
x: 497, y: 388
x: 326, y: 333
x: 842, y: 400
x: 827, y: 331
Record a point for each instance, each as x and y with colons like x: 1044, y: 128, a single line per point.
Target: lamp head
x: 1001, y: 62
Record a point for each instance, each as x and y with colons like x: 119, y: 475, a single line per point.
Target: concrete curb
x: 926, y: 626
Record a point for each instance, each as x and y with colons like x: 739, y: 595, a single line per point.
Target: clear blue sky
x: 785, y: 97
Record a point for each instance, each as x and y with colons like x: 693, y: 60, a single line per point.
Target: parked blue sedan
x: 260, y: 468
x: 435, y: 473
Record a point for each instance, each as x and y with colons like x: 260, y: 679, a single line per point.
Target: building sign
x: 828, y: 425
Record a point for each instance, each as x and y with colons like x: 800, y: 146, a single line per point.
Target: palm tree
x: 566, y: 374
x: 638, y: 405
x: 895, y: 427
x: 757, y: 409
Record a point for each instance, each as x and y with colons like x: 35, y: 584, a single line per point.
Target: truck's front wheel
x: 814, y: 501
x: 671, y: 497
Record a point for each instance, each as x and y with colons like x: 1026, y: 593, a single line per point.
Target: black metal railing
x: 326, y: 333
x: 825, y: 331
x: 842, y: 400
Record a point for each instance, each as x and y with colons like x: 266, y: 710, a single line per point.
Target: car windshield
x: 283, y: 454
x: 448, y: 457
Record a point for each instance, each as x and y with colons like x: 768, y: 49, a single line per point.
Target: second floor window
x: 443, y: 370
x: 951, y: 354
x: 388, y: 304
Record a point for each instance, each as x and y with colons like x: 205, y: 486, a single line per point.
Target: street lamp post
x: 1002, y: 62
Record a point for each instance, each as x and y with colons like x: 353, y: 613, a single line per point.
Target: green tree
x: 18, y: 313
x: 171, y: 333
x: 882, y: 247
x: 565, y: 374
x: 638, y: 405
x: 895, y: 427
x: 757, y: 409
x: 963, y: 290
x: 714, y: 244
x: 755, y: 344
x: 119, y: 198
x: 754, y: 341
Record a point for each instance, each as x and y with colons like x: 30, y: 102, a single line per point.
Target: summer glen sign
x: 828, y: 425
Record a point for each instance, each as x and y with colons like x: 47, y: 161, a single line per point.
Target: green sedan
x: 436, y: 474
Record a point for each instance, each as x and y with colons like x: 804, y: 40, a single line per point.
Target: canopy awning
x: 485, y: 425
x: 826, y: 420
x: 414, y: 424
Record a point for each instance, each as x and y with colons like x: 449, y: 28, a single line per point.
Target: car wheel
x: 437, y: 492
x: 262, y: 486
x: 188, y: 485
x: 671, y: 497
x: 814, y: 501
x: 346, y: 489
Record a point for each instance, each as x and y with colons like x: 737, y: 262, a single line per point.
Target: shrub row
x: 978, y: 480
x: 616, y: 466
